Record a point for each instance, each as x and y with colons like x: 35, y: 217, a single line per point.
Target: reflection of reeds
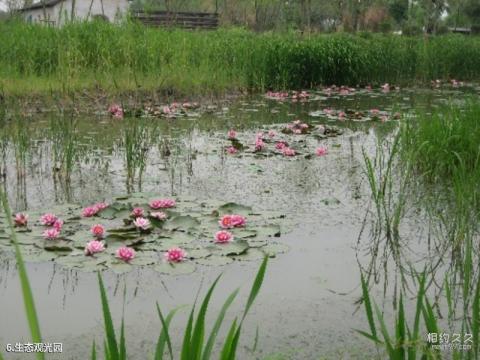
x: 388, y: 193
x: 136, y: 142
x: 416, y: 341
x: 439, y: 167
x: 64, y: 142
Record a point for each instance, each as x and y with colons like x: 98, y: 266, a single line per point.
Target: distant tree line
x: 410, y: 16
x: 432, y: 16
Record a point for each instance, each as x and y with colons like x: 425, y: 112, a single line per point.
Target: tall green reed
x: 130, y: 56
x: 195, y: 343
x: 28, y: 299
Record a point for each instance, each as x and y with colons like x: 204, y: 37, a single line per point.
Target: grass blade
x: 185, y: 355
x: 123, y: 347
x: 164, y: 337
x: 93, y: 354
x: 257, y: 284
x: 401, y: 328
x: 368, y: 308
x: 476, y: 318
x: 216, y: 327
x: 386, y: 337
x: 199, y: 329
x: 109, y: 329
x: 25, y: 283
x: 227, y: 346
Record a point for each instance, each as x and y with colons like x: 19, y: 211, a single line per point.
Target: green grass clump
x: 444, y: 148
x: 129, y: 56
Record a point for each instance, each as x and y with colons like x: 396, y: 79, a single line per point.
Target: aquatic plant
x: 80, y: 56
x: 28, y: 299
x: 175, y: 254
x: 389, y: 189
x: 190, y: 225
x: 137, y: 138
x: 407, y: 340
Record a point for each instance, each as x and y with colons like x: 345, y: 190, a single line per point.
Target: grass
x: 434, y: 161
x: 28, y: 299
x: 195, y: 345
x: 130, y: 57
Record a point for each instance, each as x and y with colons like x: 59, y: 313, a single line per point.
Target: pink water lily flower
x: 162, y: 203
x: 280, y: 145
x: 141, y: 223
x: 159, y: 215
x: 223, y: 236
x: 239, y: 220
x: 94, y: 247
x: 51, y: 234
x: 137, y: 212
x: 100, y: 206
x: 48, y: 219
x: 21, y: 219
x: 166, y: 110
x: 232, y: 134
x: 125, y: 253
x: 374, y: 112
x: 89, y: 211
x: 116, y: 110
x: 259, y: 144
x: 175, y: 255
x: 226, y: 222
x: 288, y: 151
x: 98, y: 231
x: 232, y: 220
x: 321, y: 151
x: 271, y: 134
x: 231, y: 150
x: 58, y: 224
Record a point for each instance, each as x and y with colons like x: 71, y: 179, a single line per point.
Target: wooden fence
x: 184, y: 20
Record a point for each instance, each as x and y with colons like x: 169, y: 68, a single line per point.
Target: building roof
x: 41, y: 4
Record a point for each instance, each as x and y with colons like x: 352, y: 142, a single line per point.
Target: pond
x: 307, y: 304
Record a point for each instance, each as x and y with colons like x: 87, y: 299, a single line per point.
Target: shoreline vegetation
x: 95, y: 58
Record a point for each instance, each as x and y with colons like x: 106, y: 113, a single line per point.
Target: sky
x: 2, y: 5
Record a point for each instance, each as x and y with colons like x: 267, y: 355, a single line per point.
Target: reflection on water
x: 63, y: 158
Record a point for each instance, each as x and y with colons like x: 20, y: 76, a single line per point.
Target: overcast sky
x: 2, y: 5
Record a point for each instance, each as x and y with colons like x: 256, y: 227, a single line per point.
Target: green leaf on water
x: 234, y: 208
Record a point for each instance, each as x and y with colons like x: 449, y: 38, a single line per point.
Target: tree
x: 399, y: 10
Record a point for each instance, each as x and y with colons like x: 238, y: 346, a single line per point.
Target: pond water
x: 306, y: 307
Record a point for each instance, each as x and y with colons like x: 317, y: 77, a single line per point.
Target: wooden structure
x: 184, y: 20
x: 465, y: 31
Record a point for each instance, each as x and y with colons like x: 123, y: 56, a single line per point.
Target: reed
x: 131, y: 57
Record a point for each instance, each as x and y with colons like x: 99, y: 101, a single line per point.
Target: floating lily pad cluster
x: 293, y: 96
x: 189, y: 225
x: 293, y: 139
x: 355, y: 115
x: 172, y: 110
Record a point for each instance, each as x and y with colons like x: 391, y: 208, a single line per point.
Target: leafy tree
x: 399, y: 10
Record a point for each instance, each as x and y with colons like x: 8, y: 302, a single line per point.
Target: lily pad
x: 233, y: 248
x: 191, y: 226
x: 234, y: 208
x: 214, y: 260
x: 182, y: 222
